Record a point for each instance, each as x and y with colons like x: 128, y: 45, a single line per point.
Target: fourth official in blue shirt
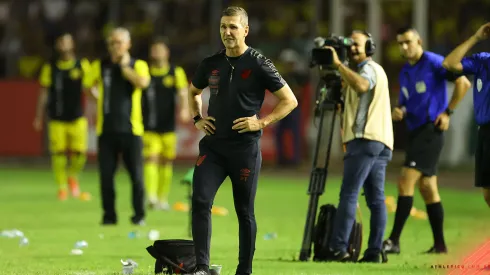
x: 477, y: 65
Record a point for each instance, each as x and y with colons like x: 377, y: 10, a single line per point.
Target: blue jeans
x: 365, y: 164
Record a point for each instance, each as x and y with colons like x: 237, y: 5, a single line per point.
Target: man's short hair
x: 405, y: 29
x: 123, y: 31
x: 62, y: 34
x: 363, y: 32
x: 160, y: 40
x: 236, y: 11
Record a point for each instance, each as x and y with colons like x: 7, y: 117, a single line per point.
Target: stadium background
x: 27, y: 29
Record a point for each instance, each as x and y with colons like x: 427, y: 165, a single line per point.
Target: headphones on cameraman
x: 370, y: 46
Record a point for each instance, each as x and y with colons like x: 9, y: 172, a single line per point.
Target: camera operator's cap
x: 289, y: 55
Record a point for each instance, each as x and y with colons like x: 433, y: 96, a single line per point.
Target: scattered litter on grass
x: 414, y: 212
x: 133, y: 235
x: 85, y: 196
x: 24, y: 241
x: 220, y: 211
x: 153, y: 235
x: 13, y: 233
x: 181, y: 207
x: 270, y: 236
x: 76, y: 251
x: 81, y: 244
x: 128, y: 266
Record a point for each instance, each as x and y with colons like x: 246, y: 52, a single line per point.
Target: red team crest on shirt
x: 246, y: 73
x: 213, y: 82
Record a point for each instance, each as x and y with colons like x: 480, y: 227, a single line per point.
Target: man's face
x: 159, y: 52
x: 118, y: 44
x: 358, y: 53
x: 233, y: 32
x: 65, y: 44
x: 409, y: 44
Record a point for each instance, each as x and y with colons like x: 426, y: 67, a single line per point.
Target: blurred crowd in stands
x: 281, y: 29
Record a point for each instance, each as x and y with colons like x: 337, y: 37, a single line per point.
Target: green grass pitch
x: 28, y: 203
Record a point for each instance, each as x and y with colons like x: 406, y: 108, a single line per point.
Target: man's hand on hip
x: 442, y: 121
x: 247, y: 124
x: 206, y: 125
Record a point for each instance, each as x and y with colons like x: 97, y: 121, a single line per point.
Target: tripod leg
x: 317, y: 183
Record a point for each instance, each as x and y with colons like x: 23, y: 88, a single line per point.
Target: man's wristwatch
x: 449, y: 111
x: 197, y: 118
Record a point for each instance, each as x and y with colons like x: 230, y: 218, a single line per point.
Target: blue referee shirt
x: 423, y: 89
x: 479, y: 66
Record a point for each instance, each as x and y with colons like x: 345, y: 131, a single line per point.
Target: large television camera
x: 330, y: 86
x: 324, y: 57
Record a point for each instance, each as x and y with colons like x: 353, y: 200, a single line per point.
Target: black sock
x: 403, y: 207
x: 436, y: 219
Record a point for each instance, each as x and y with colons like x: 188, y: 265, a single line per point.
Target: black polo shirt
x: 237, y: 88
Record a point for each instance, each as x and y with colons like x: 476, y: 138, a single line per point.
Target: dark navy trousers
x: 365, y: 164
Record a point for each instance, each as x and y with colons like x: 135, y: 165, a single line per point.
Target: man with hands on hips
x: 238, y: 78
x: 368, y: 138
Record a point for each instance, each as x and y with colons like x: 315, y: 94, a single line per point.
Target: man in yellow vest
x: 368, y: 139
x: 168, y: 85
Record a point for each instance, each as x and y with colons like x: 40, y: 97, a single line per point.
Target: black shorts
x: 482, y: 157
x: 424, y: 148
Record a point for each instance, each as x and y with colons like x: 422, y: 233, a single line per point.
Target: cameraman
x: 368, y: 138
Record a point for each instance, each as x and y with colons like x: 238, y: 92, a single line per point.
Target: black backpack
x: 173, y: 256
x: 323, y: 234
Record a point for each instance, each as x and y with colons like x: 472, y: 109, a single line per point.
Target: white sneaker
x: 163, y: 206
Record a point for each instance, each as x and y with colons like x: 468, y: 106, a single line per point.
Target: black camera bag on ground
x: 173, y: 256
x: 323, y: 234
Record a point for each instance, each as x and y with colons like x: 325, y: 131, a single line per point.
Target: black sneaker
x: 375, y: 258
x: 108, y: 222
x: 338, y: 256
x: 138, y: 221
x: 390, y: 247
x: 436, y: 250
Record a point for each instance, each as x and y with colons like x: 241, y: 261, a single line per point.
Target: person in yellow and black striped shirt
x: 62, y: 82
x: 168, y: 83
x: 120, y: 81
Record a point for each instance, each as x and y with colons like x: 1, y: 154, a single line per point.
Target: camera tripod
x: 328, y: 95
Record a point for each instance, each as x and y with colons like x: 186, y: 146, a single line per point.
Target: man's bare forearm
x: 135, y: 79
x: 282, y: 109
x: 460, y: 88
x: 353, y: 79
x: 195, y: 105
x: 454, y: 58
x: 41, y: 103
